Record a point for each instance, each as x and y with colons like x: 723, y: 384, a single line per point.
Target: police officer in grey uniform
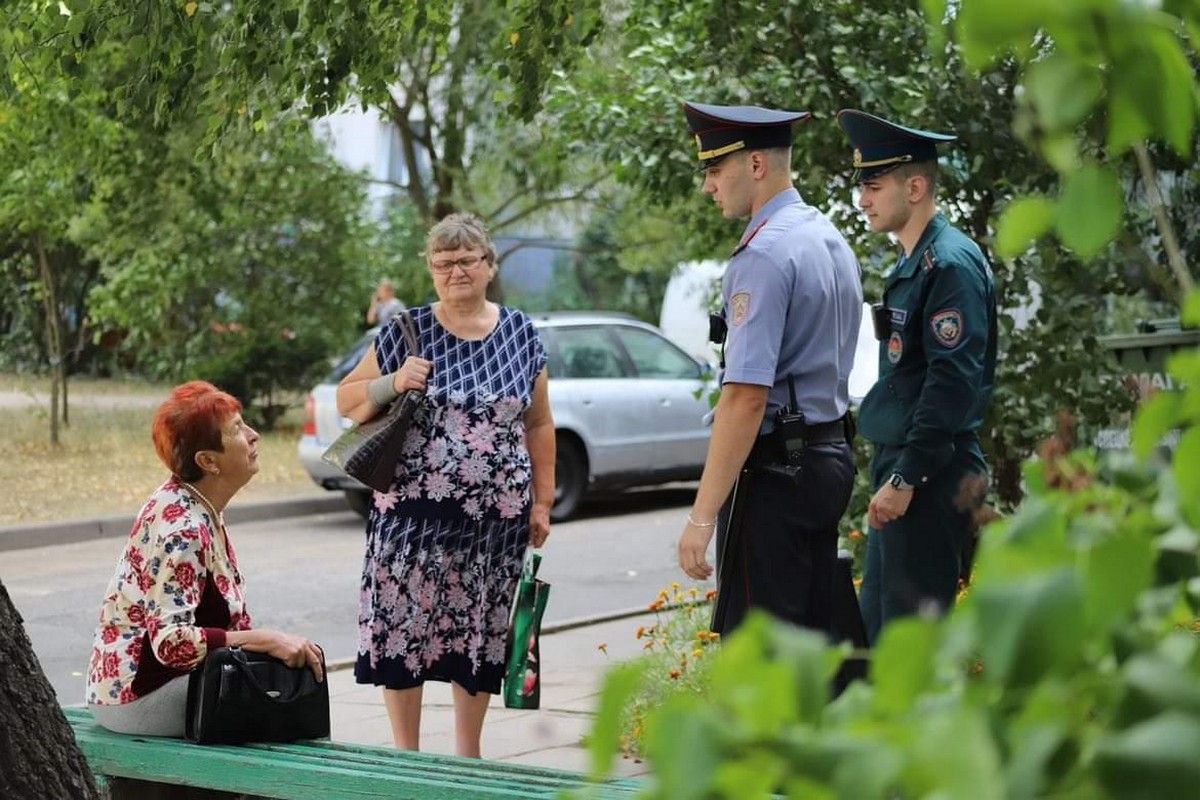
x: 779, y: 470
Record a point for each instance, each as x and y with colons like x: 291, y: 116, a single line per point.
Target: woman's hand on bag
x: 413, y: 374
x: 539, y: 525
x: 295, y: 651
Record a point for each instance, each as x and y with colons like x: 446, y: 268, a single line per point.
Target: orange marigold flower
x: 603, y: 648
x: 641, y: 631
x: 855, y: 536
x: 675, y: 674
x: 711, y: 594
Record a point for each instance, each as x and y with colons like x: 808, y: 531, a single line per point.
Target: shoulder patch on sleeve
x: 739, y: 307
x: 947, y: 326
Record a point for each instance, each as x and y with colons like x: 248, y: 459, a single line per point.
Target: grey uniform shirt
x: 793, y: 304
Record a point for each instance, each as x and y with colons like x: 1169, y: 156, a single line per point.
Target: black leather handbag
x: 369, y: 451
x: 236, y: 696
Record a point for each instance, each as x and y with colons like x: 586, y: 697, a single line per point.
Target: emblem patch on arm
x: 947, y: 327
x: 739, y: 307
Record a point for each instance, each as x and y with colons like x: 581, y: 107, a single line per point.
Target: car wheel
x: 359, y: 501
x: 570, y: 479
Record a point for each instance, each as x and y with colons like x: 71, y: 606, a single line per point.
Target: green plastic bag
x: 523, y: 679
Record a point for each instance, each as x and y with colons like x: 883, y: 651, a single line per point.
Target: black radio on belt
x: 788, y: 438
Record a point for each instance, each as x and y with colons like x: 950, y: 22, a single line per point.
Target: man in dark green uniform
x: 937, y: 328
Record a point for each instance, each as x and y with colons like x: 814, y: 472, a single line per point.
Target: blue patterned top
x: 465, y: 455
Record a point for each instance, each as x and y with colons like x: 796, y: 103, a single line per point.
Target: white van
x: 695, y: 289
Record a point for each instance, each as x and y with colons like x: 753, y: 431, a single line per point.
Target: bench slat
x: 322, y: 769
x: 340, y: 751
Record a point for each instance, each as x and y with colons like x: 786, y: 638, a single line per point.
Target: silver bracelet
x: 382, y: 390
x: 695, y: 524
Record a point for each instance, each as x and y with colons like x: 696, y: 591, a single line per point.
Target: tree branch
x: 541, y: 204
x: 1174, y: 255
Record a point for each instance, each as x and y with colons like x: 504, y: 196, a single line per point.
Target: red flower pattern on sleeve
x: 155, y: 590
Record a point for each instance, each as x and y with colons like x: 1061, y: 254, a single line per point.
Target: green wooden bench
x: 320, y: 770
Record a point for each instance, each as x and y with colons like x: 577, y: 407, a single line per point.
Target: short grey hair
x: 460, y: 231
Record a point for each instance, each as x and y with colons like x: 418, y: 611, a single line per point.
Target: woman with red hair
x: 177, y: 591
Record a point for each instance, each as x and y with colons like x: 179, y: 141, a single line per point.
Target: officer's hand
x: 888, y: 504
x: 693, y: 544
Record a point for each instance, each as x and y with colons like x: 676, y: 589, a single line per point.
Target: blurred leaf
x: 755, y: 776
x: 1156, y: 416
x: 1177, y: 117
x: 1153, y: 760
x: 683, y: 743
x: 954, y: 756
x: 902, y: 663
x: 1032, y: 626
x: 1186, y: 466
x: 1023, y: 221
x: 1063, y: 91
x: 1152, y: 685
x: 1090, y: 209
x: 1191, y: 309
x: 760, y: 689
x: 604, y: 742
x: 1118, y: 568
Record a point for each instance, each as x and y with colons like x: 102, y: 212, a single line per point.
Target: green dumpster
x: 1143, y: 357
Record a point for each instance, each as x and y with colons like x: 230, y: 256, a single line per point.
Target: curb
x: 45, y: 534
x: 547, y: 630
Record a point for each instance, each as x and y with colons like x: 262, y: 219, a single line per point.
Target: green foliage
x: 1072, y: 668
x: 833, y: 54
x: 264, y: 372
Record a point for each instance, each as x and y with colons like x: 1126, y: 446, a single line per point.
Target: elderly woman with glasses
x: 472, y: 489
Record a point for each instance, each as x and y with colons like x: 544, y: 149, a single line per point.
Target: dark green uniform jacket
x: 938, y: 360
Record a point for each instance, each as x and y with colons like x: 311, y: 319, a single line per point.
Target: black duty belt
x: 766, y: 448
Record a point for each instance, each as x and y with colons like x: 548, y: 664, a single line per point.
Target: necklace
x: 208, y: 503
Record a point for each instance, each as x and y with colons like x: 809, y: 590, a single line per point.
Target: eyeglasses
x: 466, y: 264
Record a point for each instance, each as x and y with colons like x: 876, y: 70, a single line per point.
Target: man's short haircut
x: 927, y: 169
x: 778, y: 158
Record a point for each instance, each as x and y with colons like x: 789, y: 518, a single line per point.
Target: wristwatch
x: 897, y: 482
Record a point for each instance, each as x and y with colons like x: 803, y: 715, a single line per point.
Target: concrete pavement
x: 573, y: 664
x: 573, y: 669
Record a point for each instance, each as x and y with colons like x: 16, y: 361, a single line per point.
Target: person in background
x: 384, y: 304
x: 472, y: 490
x: 937, y: 365
x: 177, y: 592
x: 780, y: 469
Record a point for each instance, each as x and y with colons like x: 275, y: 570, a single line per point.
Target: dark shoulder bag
x: 369, y: 451
x: 236, y: 696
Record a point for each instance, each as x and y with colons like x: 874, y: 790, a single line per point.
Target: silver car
x: 628, y: 409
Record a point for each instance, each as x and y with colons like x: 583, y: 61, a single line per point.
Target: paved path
x: 15, y: 399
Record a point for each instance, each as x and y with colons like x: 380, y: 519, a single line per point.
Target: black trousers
x: 782, y: 557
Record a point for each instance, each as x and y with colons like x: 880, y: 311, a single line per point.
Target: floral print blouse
x: 175, y: 593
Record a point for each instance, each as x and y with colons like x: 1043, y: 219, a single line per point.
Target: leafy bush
x: 263, y: 369
x: 1070, y: 669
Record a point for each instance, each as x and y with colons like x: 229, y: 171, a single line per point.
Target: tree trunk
x: 54, y: 341
x: 38, y: 754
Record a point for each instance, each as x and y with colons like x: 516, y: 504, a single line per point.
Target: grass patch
x: 106, y: 463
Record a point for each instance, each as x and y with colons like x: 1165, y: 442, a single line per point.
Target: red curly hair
x: 189, y: 421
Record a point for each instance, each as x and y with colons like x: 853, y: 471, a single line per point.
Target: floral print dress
x: 445, y: 545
